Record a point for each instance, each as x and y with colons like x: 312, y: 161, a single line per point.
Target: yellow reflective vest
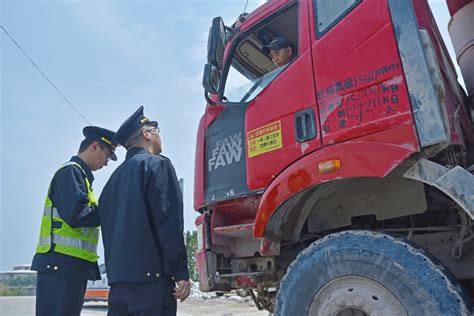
x: 78, y: 242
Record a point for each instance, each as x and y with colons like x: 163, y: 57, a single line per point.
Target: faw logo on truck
x: 226, y: 151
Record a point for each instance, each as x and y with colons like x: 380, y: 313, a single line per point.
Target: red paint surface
x: 359, y: 158
x: 356, y: 63
x: 269, y: 248
x: 234, y: 228
x: 245, y: 281
x: 102, y: 294
x: 201, y: 266
x: 334, y: 75
x: 359, y: 78
x: 200, y: 221
x: 260, y: 13
x: 199, y: 165
x: 292, y: 91
x: 455, y: 5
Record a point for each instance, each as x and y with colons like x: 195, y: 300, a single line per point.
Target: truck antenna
x: 245, y: 8
x: 243, y: 15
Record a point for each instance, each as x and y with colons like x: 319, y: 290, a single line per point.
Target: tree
x: 191, y: 248
x: 18, y: 284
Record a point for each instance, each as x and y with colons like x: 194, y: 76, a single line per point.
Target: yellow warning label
x: 264, y: 139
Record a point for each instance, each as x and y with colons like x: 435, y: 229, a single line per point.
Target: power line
x: 44, y: 75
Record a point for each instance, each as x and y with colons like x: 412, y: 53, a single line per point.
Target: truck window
x: 251, y: 68
x: 330, y: 12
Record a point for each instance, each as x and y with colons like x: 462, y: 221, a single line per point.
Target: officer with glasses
x: 66, y: 253
x: 141, y: 216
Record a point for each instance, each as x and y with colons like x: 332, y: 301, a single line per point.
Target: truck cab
x: 365, y: 135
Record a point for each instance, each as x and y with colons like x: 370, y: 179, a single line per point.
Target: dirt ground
x: 25, y: 306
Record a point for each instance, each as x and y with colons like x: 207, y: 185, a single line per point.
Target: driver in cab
x: 280, y: 51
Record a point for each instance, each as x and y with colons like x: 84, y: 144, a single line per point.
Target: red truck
x: 340, y: 183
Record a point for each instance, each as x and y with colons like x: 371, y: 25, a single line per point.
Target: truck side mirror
x: 215, y: 58
x: 216, y: 41
x: 211, y: 78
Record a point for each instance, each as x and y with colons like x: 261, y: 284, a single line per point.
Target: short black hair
x: 85, y: 144
x: 136, y: 138
x: 89, y: 141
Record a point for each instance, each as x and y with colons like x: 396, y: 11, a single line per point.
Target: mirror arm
x: 209, y: 101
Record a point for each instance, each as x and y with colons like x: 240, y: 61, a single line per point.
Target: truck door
x: 360, y: 85
x: 281, y: 118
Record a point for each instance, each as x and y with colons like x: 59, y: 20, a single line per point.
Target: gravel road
x: 25, y: 306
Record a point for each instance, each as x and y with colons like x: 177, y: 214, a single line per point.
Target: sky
x: 107, y: 58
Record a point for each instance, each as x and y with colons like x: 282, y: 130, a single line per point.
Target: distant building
x: 22, y: 267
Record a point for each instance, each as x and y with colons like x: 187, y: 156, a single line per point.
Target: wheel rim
x: 355, y: 296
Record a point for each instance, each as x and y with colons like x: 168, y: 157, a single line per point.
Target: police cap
x: 103, y: 135
x: 134, y: 122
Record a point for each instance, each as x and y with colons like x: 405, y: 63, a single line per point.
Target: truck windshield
x: 244, y: 89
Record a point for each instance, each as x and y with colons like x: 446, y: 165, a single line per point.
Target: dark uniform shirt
x: 141, y: 215
x: 69, y: 195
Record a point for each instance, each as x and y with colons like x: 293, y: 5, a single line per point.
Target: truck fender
x: 357, y: 159
x: 457, y: 182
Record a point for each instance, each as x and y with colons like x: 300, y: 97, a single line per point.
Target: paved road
x: 25, y: 306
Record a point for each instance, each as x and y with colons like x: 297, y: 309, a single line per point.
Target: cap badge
x: 105, y: 140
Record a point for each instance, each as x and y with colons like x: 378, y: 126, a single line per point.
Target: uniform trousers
x: 142, y: 299
x: 59, y: 294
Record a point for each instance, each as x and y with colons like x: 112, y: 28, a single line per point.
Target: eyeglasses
x: 108, y: 152
x: 155, y: 130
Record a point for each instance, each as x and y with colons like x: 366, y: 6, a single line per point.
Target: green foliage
x: 191, y: 248
x: 20, y: 284
x: 21, y: 280
x: 4, y: 290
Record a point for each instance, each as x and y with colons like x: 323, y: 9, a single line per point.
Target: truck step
x: 235, y: 231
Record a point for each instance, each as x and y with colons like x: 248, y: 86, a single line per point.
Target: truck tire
x: 367, y: 273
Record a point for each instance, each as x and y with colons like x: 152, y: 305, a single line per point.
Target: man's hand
x: 182, y: 291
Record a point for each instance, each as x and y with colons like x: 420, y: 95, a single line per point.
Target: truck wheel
x: 366, y: 273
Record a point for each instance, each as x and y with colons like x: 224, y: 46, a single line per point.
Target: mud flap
x: 457, y: 183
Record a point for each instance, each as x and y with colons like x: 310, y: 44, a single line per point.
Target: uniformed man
x: 66, y: 253
x: 141, y: 216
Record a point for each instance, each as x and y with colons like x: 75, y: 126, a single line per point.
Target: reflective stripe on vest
x: 77, y: 242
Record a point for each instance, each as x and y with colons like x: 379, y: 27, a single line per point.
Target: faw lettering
x: 226, y: 152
